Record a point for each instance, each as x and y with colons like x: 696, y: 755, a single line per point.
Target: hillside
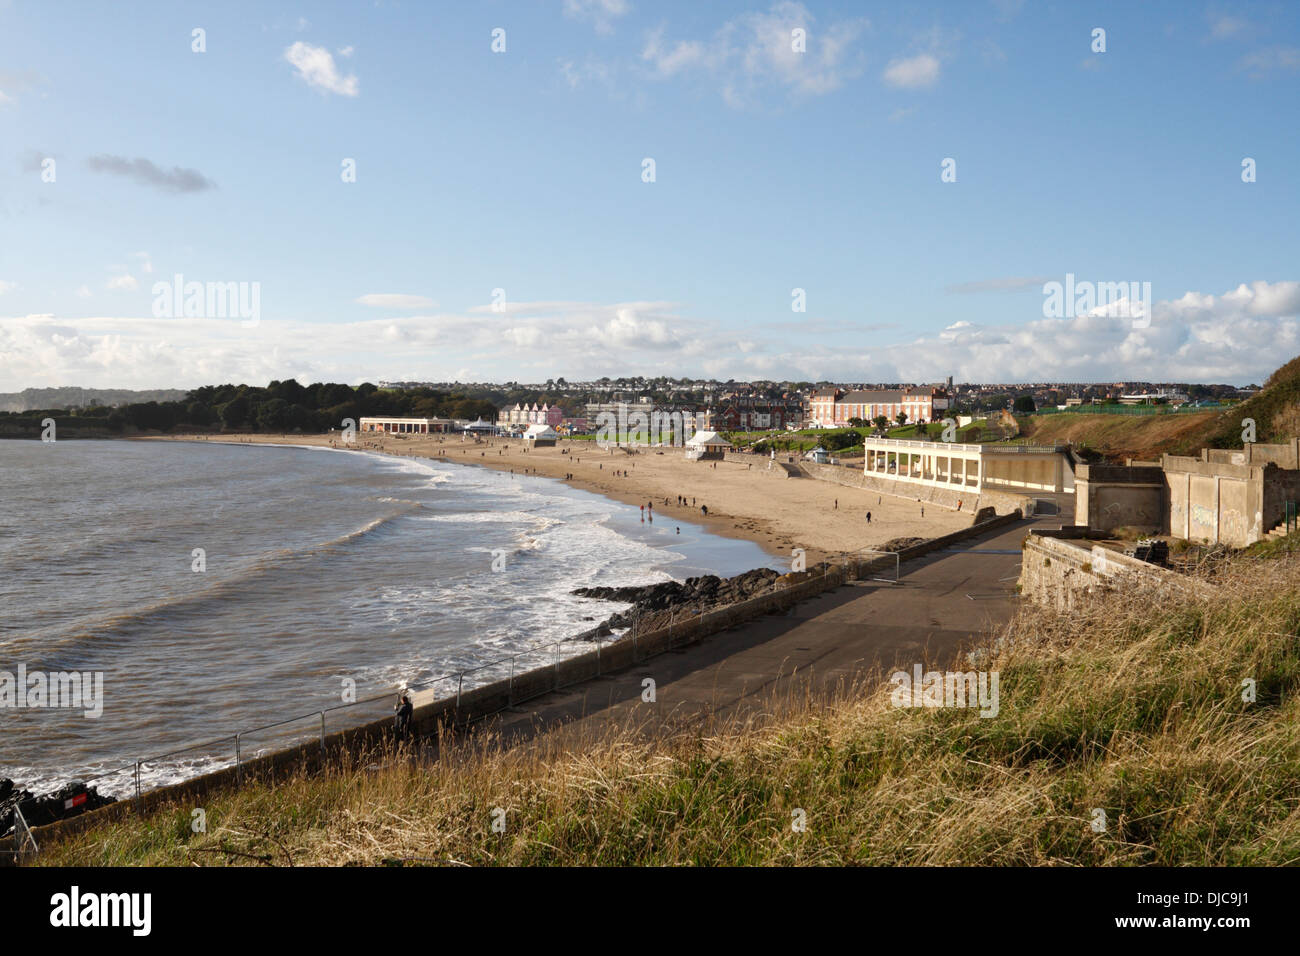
x: 68, y: 397
x: 1128, y: 712
x: 1118, y: 437
x: 1276, y: 411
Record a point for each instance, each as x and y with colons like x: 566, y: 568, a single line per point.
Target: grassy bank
x: 1134, y: 708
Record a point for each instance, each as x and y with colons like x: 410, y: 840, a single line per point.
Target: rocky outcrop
x: 68, y: 801
x: 651, y: 602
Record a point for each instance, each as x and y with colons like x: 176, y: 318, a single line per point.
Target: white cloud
x: 600, y: 13
x: 83, y: 292
x: 1238, y: 336
x: 146, y: 264
x: 1223, y: 27
x: 754, y: 53
x: 7, y: 286
x: 345, y: 51
x: 122, y: 283
x: 316, y: 67
x: 1272, y: 59
x: 591, y: 70
x: 396, y: 300
x: 12, y: 82
x: 675, y: 58
x: 913, y: 72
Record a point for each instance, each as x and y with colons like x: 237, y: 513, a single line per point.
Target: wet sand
x: 745, y: 499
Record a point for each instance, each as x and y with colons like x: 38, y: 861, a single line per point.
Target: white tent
x: 543, y: 434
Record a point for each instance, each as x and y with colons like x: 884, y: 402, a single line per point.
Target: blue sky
x: 522, y: 171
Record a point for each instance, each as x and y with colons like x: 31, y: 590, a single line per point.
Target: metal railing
x: 24, y: 844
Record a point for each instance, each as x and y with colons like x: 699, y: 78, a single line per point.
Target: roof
x: 540, y: 431
x: 707, y: 438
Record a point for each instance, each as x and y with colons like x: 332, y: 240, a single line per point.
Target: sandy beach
x: 744, y: 499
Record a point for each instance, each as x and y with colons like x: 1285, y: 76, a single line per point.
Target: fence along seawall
x: 433, y: 713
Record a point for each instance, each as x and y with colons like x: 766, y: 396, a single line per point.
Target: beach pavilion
x: 704, y: 446
x: 405, y: 426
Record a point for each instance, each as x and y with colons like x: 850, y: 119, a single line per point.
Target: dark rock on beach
x: 650, y: 601
x: 68, y: 801
x: 709, y: 589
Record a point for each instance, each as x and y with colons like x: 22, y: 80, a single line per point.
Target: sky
x: 497, y: 191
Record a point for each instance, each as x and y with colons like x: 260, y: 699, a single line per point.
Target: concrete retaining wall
x: 1113, y: 496
x: 1057, y: 572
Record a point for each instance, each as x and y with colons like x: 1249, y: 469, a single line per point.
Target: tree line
x: 282, y: 406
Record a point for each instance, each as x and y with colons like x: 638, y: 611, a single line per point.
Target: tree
x: 881, y: 422
x: 273, y: 416
x: 1025, y: 404
x: 197, y: 413
x: 234, y: 413
x: 902, y: 418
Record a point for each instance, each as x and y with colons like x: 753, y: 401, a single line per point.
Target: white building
x: 405, y: 426
x: 706, y: 445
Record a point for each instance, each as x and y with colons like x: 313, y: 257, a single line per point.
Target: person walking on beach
x: 402, y: 717
x: 704, y: 510
x: 868, y: 517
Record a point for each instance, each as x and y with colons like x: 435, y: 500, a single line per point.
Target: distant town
x: 576, y: 407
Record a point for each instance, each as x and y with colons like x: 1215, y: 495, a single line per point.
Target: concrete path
x: 942, y: 601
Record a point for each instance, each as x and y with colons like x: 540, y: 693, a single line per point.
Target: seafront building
x: 406, y: 426
x: 1033, y: 470
x: 707, y: 446
x: 533, y: 414
x: 757, y: 414
x: 835, y: 408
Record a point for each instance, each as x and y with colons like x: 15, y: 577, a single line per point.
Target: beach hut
x: 818, y: 456
x: 705, y: 446
x: 541, y: 436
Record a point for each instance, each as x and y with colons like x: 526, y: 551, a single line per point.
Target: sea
x: 218, y: 588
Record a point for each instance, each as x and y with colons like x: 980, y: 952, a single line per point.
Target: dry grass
x: 1133, y: 707
x: 1144, y: 437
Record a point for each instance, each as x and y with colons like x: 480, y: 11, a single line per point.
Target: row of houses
x: 533, y: 414
x: 829, y: 408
